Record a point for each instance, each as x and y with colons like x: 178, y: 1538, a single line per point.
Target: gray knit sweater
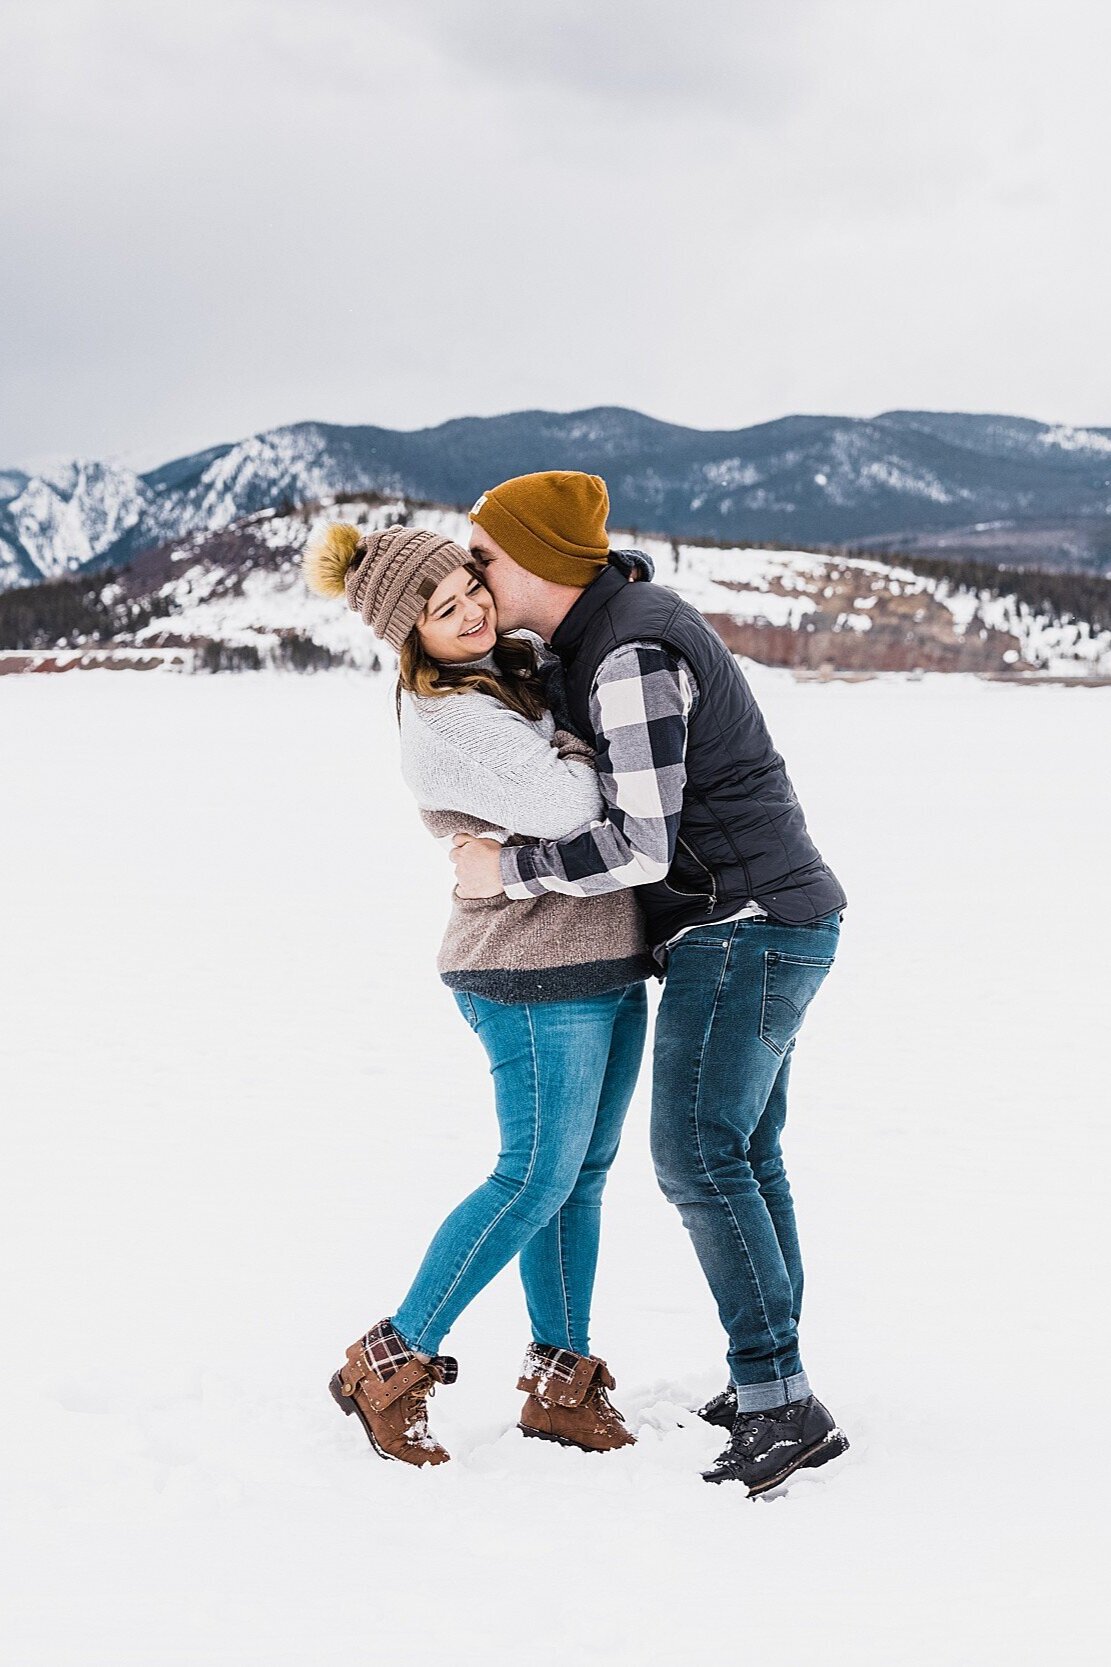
x: 474, y: 766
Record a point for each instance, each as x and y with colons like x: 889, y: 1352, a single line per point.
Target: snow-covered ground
x: 238, y: 1100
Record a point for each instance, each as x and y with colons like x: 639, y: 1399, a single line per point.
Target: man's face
x: 512, y: 587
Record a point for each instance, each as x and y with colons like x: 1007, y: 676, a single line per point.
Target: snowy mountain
x: 83, y: 514
x: 1029, y: 493
x: 235, y: 598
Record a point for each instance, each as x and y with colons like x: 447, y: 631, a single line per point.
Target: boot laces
x: 416, y: 1417
x: 749, y: 1430
x: 751, y: 1426
x: 597, y: 1394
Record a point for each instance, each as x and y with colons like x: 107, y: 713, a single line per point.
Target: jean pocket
x: 790, y: 984
x: 467, y: 1007
x: 706, y: 937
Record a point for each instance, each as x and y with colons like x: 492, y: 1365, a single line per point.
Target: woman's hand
x: 477, y: 866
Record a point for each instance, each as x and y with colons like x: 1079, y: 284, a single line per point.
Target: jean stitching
x: 563, y: 1280
x: 768, y: 1043
x: 485, y: 1234
x: 467, y: 1005
x: 753, y: 1275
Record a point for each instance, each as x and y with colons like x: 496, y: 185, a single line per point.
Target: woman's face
x: 459, y: 621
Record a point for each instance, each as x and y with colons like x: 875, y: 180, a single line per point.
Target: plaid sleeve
x: 642, y: 696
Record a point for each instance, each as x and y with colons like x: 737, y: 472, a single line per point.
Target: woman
x: 553, y: 987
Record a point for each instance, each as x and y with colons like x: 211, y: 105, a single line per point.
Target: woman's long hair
x: 516, y: 683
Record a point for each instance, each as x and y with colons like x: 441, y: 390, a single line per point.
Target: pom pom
x: 328, y: 554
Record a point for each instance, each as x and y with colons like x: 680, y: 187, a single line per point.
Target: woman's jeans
x: 733, y: 1002
x: 564, y: 1073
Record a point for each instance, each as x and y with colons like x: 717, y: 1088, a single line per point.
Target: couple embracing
x: 617, y: 810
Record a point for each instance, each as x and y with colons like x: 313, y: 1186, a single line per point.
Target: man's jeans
x: 564, y: 1073
x: 733, y: 1002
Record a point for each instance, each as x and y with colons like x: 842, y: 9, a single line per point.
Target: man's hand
x: 477, y: 866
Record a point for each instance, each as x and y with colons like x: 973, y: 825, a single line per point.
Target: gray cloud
x: 657, y: 58
x: 244, y: 213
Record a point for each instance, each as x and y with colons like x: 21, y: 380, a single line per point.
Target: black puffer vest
x: 741, y: 834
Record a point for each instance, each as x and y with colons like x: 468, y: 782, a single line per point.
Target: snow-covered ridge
x: 1077, y: 439
x: 209, y: 601
x: 241, y: 587
x: 65, y: 520
x: 816, y: 480
x: 790, y: 588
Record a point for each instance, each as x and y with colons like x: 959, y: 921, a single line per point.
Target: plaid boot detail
x: 567, y: 1400
x: 387, y: 1353
x: 388, y: 1388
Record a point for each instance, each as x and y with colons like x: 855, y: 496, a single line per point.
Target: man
x: 743, y: 917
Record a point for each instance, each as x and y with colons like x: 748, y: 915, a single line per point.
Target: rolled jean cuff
x: 762, y: 1397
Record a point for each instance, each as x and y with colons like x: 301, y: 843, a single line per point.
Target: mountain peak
x: 800, y: 479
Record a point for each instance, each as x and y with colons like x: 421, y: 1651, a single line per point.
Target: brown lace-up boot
x: 385, y: 1384
x: 567, y: 1400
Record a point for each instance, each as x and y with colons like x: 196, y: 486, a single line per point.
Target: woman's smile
x: 481, y: 628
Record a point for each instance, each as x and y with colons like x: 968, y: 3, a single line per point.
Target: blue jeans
x: 733, y: 1002
x: 564, y: 1073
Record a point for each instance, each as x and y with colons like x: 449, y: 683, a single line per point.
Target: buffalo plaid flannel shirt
x: 642, y: 698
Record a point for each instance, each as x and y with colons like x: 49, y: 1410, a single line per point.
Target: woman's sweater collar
x: 487, y: 663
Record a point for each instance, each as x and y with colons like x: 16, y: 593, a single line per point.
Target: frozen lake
x: 238, y: 1101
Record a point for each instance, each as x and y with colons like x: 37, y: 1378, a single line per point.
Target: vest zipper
x: 691, y: 852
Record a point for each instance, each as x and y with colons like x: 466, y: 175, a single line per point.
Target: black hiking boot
x: 722, y: 1410
x: 767, y: 1447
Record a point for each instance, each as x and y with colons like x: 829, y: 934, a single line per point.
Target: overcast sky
x: 228, y: 214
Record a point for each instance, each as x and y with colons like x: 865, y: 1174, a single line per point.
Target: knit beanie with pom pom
x: 387, y: 576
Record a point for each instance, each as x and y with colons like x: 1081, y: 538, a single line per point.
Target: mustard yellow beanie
x: 553, y: 524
